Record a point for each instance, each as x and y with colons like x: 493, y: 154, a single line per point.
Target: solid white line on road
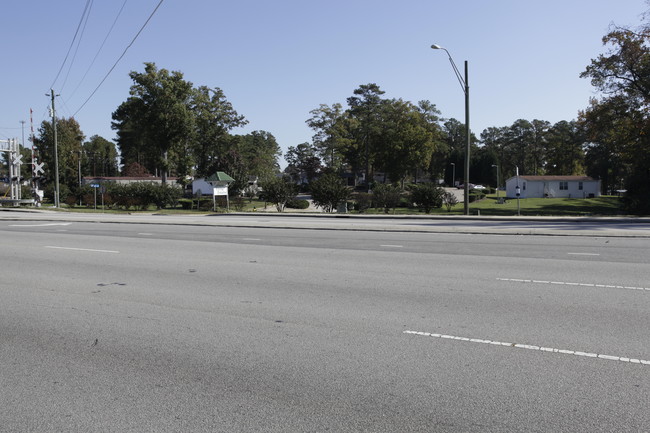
x: 392, y: 246
x: 583, y: 254
x: 83, y: 249
x: 532, y: 347
x: 145, y: 234
x: 564, y: 283
x: 251, y: 239
x: 40, y: 225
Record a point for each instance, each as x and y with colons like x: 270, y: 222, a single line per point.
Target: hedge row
x: 128, y: 196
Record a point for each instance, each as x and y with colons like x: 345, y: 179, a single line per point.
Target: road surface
x: 166, y: 327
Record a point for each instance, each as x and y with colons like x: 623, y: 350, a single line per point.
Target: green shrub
x: 329, y: 191
x: 363, y: 202
x: 64, y: 192
x: 475, y: 196
x: 279, y: 191
x: 449, y: 200
x: 186, y: 203
x: 237, y: 203
x: 427, y: 196
x: 140, y: 195
x: 298, y: 204
x: 385, y: 196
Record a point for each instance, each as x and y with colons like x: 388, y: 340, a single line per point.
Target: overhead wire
x: 72, y: 42
x: 100, y: 49
x: 74, y: 56
x: 119, y: 58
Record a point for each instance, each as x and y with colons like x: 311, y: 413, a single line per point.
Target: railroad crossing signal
x: 38, y: 168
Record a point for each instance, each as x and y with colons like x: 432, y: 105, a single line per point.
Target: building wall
x: 201, y: 185
x: 551, y: 188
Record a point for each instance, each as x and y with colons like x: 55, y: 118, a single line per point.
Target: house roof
x: 219, y: 176
x: 557, y: 178
x: 134, y: 178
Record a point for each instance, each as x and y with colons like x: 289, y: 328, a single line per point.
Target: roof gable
x: 219, y: 176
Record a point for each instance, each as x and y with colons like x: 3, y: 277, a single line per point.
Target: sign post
x: 220, y: 182
x: 518, y: 193
x: 220, y: 190
x: 94, y: 186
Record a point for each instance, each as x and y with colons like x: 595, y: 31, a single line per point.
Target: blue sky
x: 277, y: 60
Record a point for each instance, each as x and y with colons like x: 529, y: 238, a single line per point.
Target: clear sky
x: 277, y: 60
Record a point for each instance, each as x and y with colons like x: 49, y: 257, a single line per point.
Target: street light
x: 453, y: 174
x: 464, y: 84
x: 497, y: 166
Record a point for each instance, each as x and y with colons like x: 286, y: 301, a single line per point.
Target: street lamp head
x: 494, y: 165
x: 436, y: 47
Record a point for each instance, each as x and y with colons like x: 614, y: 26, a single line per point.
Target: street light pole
x: 453, y: 174
x: 464, y: 83
x: 497, y: 167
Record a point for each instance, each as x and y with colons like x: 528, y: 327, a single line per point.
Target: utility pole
x: 56, y: 154
x: 22, y: 122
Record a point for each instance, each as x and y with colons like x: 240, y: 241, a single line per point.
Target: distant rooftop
x: 565, y: 178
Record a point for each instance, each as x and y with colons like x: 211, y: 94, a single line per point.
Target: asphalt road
x: 166, y: 327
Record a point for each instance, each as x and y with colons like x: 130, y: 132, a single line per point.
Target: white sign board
x: 220, y: 190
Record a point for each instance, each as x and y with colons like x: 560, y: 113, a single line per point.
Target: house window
x: 580, y: 186
x: 564, y: 186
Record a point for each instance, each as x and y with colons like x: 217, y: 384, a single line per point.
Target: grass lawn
x: 599, y: 206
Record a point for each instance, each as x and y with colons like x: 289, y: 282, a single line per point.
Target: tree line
x: 609, y: 140
x: 168, y: 126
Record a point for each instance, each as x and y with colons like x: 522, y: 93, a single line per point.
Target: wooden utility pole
x: 56, y: 154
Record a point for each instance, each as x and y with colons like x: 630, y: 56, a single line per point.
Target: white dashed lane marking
x: 564, y: 283
x: 40, y: 225
x: 532, y: 347
x: 392, y: 246
x: 83, y: 249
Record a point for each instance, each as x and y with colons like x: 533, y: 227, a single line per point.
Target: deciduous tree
x: 329, y: 191
x: 99, y: 157
x: 69, y: 139
x: 214, y: 117
x: 159, y: 108
x: 303, y: 163
x: 618, y: 124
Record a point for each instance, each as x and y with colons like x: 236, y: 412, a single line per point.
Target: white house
x: 202, y: 187
x: 553, y: 186
x: 213, y: 185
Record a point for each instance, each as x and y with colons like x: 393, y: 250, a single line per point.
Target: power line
x: 120, y: 58
x: 74, y: 56
x: 72, y: 42
x: 100, y: 48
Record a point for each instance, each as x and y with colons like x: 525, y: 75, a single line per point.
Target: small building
x: 553, y: 186
x: 206, y: 186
